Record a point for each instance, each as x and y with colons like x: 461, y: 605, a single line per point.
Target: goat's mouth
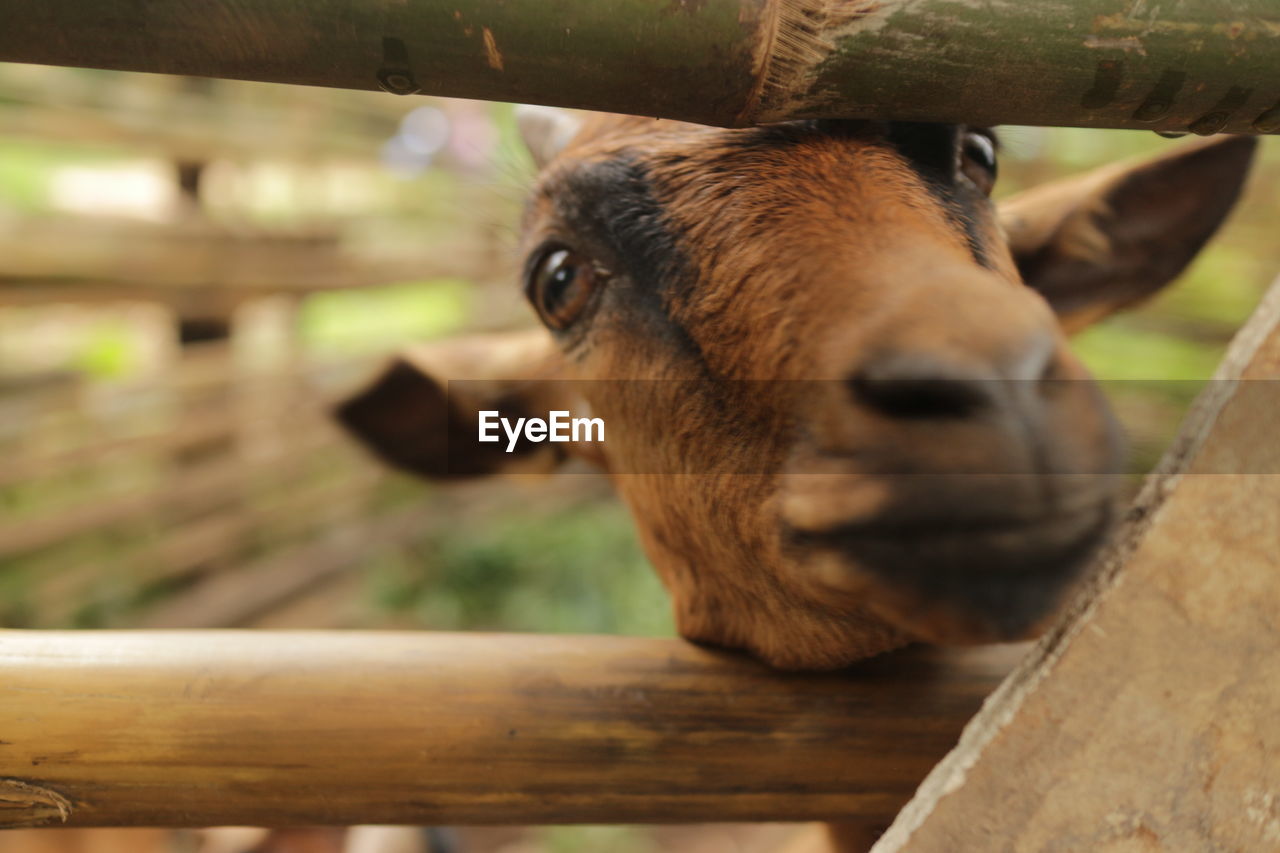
x: 943, y: 580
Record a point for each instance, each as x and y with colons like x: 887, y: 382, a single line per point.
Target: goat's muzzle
x: 958, y: 507
x: 948, y: 579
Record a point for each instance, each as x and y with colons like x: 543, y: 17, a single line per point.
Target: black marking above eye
x: 931, y: 148
x: 937, y: 153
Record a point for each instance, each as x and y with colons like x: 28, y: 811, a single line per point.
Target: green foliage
x: 382, y: 318
x: 27, y: 170
x: 590, y: 839
x: 108, y: 351
x: 1218, y: 293
x: 1122, y: 350
x: 575, y: 569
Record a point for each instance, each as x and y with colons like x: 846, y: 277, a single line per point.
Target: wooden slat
x: 204, y: 366
x: 202, y: 485
x: 266, y: 728
x: 195, y: 121
x: 23, y: 399
x: 195, y: 427
x: 234, y: 597
x: 162, y: 260
x: 1150, y: 718
x: 217, y: 540
x: 200, y: 135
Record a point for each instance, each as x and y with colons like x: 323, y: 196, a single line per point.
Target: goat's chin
x: 988, y: 580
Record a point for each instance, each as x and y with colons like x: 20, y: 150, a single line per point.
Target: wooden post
x: 1150, y: 718
x: 1196, y: 65
x: 204, y: 316
x: 194, y: 729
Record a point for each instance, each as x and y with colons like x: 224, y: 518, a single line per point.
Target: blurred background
x: 192, y: 271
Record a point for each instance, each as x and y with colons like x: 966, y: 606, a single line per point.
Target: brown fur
x: 1101, y: 242
x: 808, y: 255
x: 759, y: 308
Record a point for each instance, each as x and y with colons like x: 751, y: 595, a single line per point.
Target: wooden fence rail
x: 281, y: 728
x: 1196, y: 65
x: 110, y: 520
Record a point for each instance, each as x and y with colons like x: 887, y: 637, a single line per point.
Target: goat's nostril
x: 1005, y: 373
x: 919, y: 396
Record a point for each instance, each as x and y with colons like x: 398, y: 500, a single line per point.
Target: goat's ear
x: 1102, y: 241
x: 421, y: 414
x: 546, y: 130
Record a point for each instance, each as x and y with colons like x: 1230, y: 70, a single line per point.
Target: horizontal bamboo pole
x: 1200, y: 65
x: 190, y: 729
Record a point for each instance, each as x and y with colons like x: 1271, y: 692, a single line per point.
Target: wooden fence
x: 196, y: 498
x: 210, y: 488
x: 1146, y: 719
x: 1158, y: 687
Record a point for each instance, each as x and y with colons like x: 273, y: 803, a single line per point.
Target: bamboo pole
x: 1199, y: 65
x: 272, y: 728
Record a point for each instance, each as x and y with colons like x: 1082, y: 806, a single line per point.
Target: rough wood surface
x: 273, y: 728
x: 1150, y: 719
x: 1202, y: 65
x: 664, y: 58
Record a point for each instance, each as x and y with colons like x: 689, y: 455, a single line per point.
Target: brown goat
x: 839, y: 398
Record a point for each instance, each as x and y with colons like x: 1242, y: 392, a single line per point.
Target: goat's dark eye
x: 561, y: 286
x: 978, y: 160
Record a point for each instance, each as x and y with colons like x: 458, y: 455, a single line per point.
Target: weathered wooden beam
x: 269, y: 728
x: 1150, y: 718
x: 207, y: 484
x: 1197, y: 65
x: 121, y: 259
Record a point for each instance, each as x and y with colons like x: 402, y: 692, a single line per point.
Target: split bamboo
x: 193, y: 729
x: 1198, y: 65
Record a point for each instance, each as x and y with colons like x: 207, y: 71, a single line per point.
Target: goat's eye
x: 561, y: 286
x: 978, y: 160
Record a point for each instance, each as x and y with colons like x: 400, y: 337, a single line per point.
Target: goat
x: 852, y: 420
x: 840, y: 402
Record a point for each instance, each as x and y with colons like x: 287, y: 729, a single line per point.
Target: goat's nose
x: 919, y: 385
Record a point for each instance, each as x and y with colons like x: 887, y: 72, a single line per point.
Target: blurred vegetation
x: 569, y: 569
x: 395, y: 315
